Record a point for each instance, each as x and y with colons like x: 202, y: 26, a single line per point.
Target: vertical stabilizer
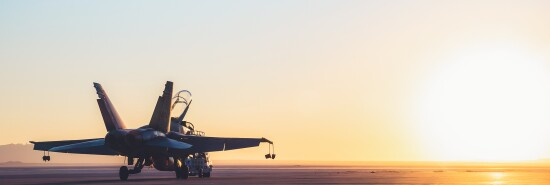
x: 180, y: 119
x: 110, y: 116
x: 161, y: 115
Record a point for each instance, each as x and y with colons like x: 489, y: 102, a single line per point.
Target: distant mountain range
x: 23, y: 153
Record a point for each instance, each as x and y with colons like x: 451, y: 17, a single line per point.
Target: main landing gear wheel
x: 206, y: 175
x: 123, y: 173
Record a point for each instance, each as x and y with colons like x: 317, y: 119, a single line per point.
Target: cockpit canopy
x: 181, y: 102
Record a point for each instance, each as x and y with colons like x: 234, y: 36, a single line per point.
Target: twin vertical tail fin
x: 160, y: 120
x: 108, y: 112
x: 180, y: 118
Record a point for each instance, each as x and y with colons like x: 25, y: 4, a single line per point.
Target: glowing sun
x: 487, y: 103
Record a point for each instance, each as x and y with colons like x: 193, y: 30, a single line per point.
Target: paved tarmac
x: 275, y: 175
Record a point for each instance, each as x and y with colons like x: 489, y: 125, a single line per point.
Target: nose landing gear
x: 124, y: 172
x: 46, y: 158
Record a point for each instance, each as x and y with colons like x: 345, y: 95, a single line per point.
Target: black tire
x: 123, y: 173
x: 185, y: 172
x: 206, y: 175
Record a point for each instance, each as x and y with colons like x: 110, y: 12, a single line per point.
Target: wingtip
x: 266, y: 140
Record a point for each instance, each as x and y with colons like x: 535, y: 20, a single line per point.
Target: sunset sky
x: 326, y: 80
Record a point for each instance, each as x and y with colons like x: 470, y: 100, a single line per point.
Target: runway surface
x: 278, y: 175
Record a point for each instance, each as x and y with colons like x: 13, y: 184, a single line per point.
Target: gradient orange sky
x: 326, y: 80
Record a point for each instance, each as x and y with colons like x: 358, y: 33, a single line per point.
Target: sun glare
x: 497, y: 175
x: 487, y: 103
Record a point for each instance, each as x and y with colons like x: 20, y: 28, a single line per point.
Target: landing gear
x: 206, y: 175
x: 124, y: 172
x: 181, y: 170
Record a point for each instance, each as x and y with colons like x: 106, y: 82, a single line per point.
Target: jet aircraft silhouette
x: 166, y: 143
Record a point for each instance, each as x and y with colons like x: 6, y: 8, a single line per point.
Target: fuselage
x: 131, y: 143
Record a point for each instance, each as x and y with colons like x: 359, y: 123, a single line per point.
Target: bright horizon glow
x: 489, y: 102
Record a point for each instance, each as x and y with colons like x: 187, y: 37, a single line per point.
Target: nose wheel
x: 124, y: 172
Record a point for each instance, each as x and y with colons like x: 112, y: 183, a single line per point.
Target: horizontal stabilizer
x: 88, y: 147
x: 168, y: 143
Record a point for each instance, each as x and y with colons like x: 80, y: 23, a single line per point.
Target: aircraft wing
x: 212, y: 144
x: 83, y: 146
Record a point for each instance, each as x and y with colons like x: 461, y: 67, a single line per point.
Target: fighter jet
x: 166, y: 143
